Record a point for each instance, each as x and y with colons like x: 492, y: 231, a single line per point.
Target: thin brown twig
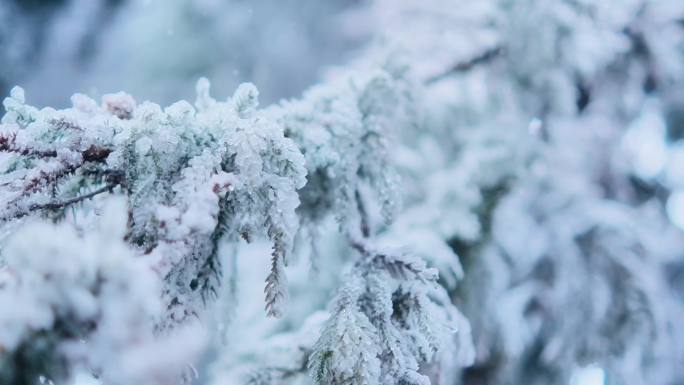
x: 359, y: 246
x: 7, y: 144
x: 91, y: 154
x: 485, y: 57
x: 64, y: 203
x: 60, y: 204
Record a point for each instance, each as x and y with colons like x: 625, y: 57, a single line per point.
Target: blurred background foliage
x: 157, y: 49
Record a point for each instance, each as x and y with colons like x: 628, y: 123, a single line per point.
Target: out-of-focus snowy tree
x: 576, y: 273
x: 516, y: 164
x: 484, y: 195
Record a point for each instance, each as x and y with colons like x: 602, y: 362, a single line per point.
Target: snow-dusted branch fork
x: 193, y: 177
x: 196, y: 176
x: 175, y: 168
